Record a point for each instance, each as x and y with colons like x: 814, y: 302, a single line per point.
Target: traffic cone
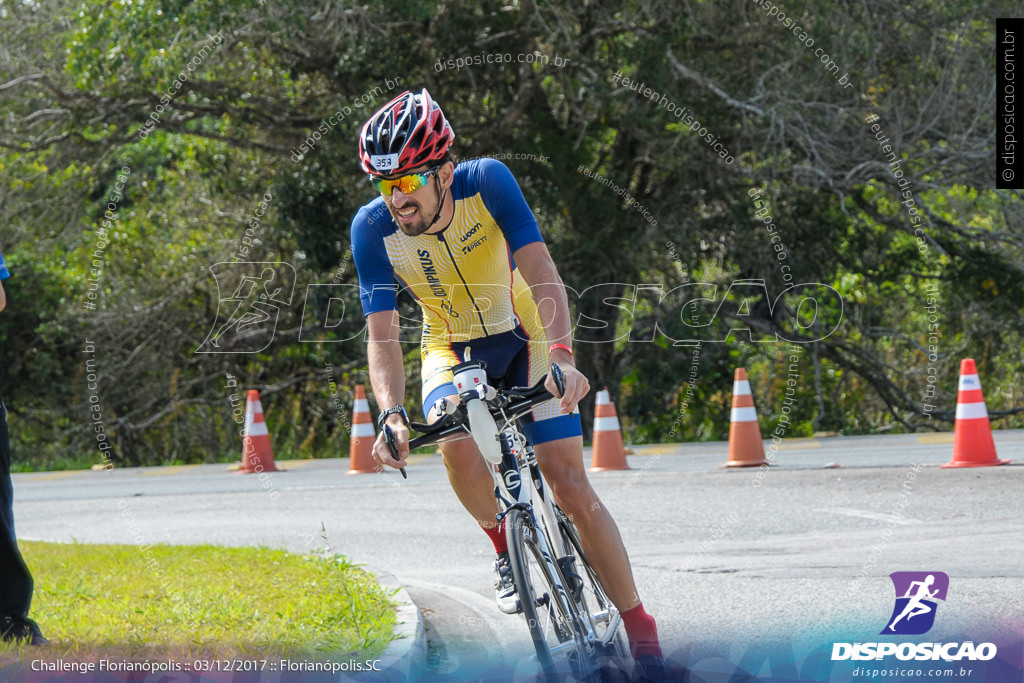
x: 257, y: 456
x: 745, y: 445
x: 360, y: 448
x: 609, y: 453
x: 972, y: 434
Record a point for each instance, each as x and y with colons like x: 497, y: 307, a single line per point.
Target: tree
x: 675, y: 155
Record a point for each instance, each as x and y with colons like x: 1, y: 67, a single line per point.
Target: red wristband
x: 560, y: 346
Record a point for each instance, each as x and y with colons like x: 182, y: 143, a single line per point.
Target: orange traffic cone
x: 257, y: 455
x: 745, y: 446
x: 363, y: 435
x: 972, y: 434
x: 609, y: 453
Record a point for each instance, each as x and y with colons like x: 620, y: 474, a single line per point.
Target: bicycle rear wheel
x: 550, y: 616
x: 592, y: 602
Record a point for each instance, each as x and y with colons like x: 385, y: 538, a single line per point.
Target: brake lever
x: 559, y: 377
x: 389, y: 438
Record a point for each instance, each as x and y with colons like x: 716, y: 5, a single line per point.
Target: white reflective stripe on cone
x: 603, y: 398
x: 743, y: 415
x: 741, y: 387
x: 969, y: 382
x: 361, y: 406
x: 257, y: 429
x: 606, y: 424
x: 363, y: 429
x: 971, y: 411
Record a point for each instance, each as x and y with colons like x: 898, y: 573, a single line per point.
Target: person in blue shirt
x: 15, y: 579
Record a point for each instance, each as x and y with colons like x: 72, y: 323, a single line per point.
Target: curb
x: 409, y: 649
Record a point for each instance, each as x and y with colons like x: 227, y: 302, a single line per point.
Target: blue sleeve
x: 4, y: 273
x: 503, y: 198
x: 377, y: 288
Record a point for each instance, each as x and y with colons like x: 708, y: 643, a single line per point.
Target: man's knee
x: 562, y: 462
x: 459, y: 454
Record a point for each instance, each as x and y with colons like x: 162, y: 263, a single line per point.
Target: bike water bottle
x: 468, y: 376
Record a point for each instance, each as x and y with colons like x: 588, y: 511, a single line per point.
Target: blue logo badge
x: 917, y: 594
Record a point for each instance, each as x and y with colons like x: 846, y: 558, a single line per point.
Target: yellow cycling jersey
x: 464, y: 277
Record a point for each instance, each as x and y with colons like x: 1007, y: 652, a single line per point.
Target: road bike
x: 574, y: 626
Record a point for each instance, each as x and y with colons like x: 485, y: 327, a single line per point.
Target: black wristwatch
x: 390, y: 411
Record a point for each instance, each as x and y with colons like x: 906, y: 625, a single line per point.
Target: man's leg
x: 562, y: 464
x: 15, y: 579
x: 561, y: 461
x: 471, y: 480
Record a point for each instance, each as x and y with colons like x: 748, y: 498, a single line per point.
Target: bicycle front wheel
x: 551, y: 617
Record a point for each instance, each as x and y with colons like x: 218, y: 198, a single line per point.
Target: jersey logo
x: 472, y: 232
x: 473, y: 245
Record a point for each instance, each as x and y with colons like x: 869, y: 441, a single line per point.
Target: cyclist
x: 464, y: 243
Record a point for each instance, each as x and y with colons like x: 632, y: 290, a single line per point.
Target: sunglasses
x: 407, y: 183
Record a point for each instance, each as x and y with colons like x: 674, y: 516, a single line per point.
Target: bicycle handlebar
x: 514, y: 402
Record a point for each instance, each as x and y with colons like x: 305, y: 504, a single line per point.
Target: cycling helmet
x: 407, y: 132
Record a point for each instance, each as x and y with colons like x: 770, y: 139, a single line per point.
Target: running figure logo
x: 916, y: 595
x: 247, y: 318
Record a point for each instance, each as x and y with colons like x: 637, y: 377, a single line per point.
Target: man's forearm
x: 538, y: 270
x: 387, y: 373
x: 3, y: 297
x: 553, y: 307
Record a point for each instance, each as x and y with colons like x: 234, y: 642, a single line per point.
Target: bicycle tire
x: 594, y: 603
x: 549, y: 614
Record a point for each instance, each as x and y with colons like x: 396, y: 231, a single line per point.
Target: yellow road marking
x: 655, y: 449
x: 413, y: 459
x: 940, y: 437
x: 799, y: 443
x: 294, y: 464
x: 55, y: 475
x: 163, y: 471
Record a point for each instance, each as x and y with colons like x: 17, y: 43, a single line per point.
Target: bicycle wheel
x: 550, y: 616
x: 592, y: 602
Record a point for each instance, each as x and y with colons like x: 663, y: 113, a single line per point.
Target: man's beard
x: 415, y: 228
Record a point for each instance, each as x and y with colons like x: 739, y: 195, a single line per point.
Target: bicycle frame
x: 519, y: 487
x: 519, y: 484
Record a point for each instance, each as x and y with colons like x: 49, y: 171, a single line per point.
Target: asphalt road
x: 729, y: 561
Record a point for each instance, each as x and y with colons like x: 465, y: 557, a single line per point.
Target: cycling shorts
x: 513, y: 360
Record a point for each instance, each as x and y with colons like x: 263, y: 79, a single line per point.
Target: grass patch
x: 201, y: 602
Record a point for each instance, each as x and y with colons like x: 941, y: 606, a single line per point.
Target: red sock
x: 642, y: 632
x: 497, y: 536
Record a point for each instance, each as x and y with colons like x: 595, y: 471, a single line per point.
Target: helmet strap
x: 440, y: 203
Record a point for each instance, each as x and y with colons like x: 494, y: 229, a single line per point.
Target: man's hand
x: 575, y: 383
x: 381, y: 452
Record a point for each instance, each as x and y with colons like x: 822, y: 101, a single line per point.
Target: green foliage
x: 192, y: 602
x: 231, y: 90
